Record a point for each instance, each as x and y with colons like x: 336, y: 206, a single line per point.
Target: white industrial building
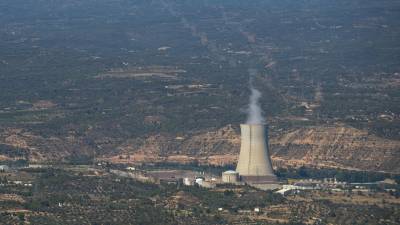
x: 230, y: 176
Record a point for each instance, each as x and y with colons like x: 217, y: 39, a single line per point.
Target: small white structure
x: 187, y: 181
x: 287, y: 188
x: 199, y: 181
x: 163, y: 48
x: 37, y: 166
x: 204, y: 183
x: 230, y: 176
x: 4, y: 168
x: 130, y: 168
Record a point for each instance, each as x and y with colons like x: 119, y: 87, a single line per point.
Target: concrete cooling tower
x: 254, y: 165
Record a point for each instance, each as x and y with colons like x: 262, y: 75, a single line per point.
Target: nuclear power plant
x: 254, y: 162
x: 254, y: 165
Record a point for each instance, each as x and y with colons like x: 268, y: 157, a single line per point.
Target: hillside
x: 326, y: 146
x: 169, y: 80
x: 336, y: 146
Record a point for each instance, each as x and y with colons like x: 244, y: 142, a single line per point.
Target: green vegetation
x: 350, y: 176
x: 66, y: 197
x: 318, y: 63
x: 351, y: 58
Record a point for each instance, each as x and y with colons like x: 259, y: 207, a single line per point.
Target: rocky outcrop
x: 222, y: 141
x: 336, y: 146
x: 325, y: 146
x: 36, y: 148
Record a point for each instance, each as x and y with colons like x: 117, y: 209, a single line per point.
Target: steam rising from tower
x: 254, y: 115
x: 254, y: 112
x: 254, y: 164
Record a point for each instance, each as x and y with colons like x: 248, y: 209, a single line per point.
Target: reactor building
x: 254, y: 165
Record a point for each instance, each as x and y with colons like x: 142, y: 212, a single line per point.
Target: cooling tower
x: 254, y: 163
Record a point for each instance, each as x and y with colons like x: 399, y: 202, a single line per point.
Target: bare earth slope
x: 326, y: 146
x: 161, y: 80
x: 337, y: 146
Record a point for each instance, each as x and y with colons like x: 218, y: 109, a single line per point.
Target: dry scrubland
x: 84, y: 195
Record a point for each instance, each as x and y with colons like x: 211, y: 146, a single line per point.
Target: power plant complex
x: 254, y: 164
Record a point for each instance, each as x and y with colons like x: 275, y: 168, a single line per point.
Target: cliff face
x: 20, y: 144
x: 326, y: 146
x: 222, y: 141
x: 336, y: 146
x: 215, y: 147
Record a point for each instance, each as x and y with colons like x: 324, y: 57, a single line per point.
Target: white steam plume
x: 254, y: 112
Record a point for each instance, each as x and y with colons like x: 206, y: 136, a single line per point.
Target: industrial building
x: 230, y: 176
x: 254, y: 165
